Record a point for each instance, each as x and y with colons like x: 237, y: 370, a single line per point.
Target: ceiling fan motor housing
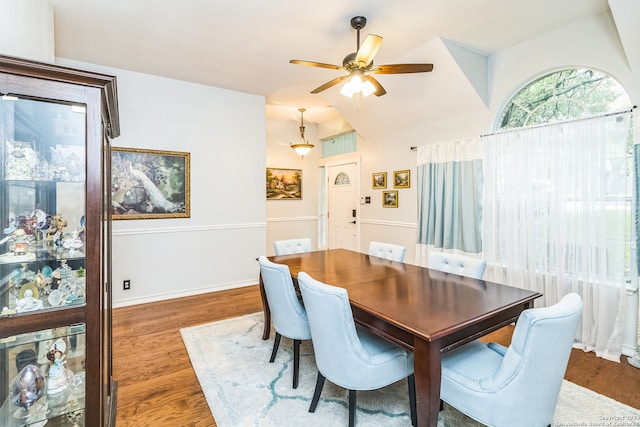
x: 349, y: 62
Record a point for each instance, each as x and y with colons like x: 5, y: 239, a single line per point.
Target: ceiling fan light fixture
x: 368, y: 88
x: 303, y: 147
x: 347, y: 90
x: 356, y: 84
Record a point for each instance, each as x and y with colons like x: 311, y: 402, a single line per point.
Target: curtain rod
x: 542, y: 125
x: 628, y: 110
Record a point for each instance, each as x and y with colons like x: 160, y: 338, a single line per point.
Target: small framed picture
x: 401, y: 179
x: 390, y: 199
x: 379, y: 180
x: 284, y: 184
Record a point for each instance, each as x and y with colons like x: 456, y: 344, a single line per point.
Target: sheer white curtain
x: 449, y: 187
x: 635, y: 360
x: 554, y: 215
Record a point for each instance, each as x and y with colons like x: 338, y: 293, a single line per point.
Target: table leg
x: 427, y: 371
x: 267, y: 312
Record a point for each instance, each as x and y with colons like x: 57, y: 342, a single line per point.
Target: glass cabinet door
x: 42, y: 202
x: 42, y: 259
x: 48, y: 380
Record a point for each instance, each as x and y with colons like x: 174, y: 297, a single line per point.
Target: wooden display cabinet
x: 55, y: 249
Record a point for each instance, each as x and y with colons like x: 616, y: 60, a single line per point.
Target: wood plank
x: 157, y: 385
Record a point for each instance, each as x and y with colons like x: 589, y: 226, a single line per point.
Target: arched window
x: 564, y: 95
x: 342, y: 179
x: 573, y: 94
x: 557, y: 198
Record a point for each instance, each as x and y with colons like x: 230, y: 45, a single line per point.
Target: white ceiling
x: 246, y: 45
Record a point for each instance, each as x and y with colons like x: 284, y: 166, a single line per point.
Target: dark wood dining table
x: 425, y: 311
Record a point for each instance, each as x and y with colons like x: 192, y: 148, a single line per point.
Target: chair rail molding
x: 388, y: 223
x: 212, y: 227
x: 292, y: 219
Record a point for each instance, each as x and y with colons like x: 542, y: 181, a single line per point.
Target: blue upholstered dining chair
x: 349, y: 356
x: 387, y: 251
x: 518, y: 385
x: 288, y: 314
x: 292, y: 246
x: 457, y: 264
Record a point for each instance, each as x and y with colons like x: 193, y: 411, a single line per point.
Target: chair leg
x: 352, y: 408
x: 317, y: 392
x: 296, y: 362
x: 411, y: 380
x: 276, y: 344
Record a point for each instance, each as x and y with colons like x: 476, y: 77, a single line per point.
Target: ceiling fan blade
x: 316, y: 64
x: 379, y: 89
x: 368, y: 50
x: 401, y: 68
x: 331, y: 83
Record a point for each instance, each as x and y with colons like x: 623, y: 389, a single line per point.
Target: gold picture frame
x: 150, y: 184
x: 390, y: 199
x: 379, y: 180
x: 284, y: 184
x: 402, y: 179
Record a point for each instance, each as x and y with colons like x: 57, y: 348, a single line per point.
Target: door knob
x: 353, y: 222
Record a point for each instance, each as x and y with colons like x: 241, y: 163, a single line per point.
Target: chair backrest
x: 288, y: 315
x: 292, y: 246
x: 387, y: 251
x: 340, y: 355
x: 457, y: 264
x: 535, y: 362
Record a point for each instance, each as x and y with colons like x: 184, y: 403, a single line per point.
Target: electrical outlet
x: 126, y: 285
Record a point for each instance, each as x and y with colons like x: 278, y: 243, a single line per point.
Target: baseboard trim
x: 628, y: 350
x: 173, y: 295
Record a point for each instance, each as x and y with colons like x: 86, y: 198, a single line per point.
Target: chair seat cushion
x: 382, y: 363
x: 470, y: 363
x: 380, y: 349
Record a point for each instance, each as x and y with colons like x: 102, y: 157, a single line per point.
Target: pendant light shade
x: 303, y: 147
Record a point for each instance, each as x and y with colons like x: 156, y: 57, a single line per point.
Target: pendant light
x: 303, y: 147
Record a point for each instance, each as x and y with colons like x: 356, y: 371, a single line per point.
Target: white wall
x: 216, y: 248
x: 291, y: 219
x: 27, y: 29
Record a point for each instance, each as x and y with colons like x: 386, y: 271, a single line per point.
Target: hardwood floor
x: 157, y: 386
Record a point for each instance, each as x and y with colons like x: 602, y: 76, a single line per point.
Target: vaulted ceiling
x: 246, y: 45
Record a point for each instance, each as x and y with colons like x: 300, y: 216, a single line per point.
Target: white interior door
x: 343, y: 208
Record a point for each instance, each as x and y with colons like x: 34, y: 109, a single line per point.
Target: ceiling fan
x: 360, y: 66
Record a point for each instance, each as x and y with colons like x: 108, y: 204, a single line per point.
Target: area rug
x: 242, y: 388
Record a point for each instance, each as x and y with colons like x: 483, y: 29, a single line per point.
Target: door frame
x: 325, y: 190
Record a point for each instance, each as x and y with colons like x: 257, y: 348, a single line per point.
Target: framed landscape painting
x: 284, y: 184
x: 401, y: 179
x: 149, y: 184
x: 390, y: 199
x: 379, y: 180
